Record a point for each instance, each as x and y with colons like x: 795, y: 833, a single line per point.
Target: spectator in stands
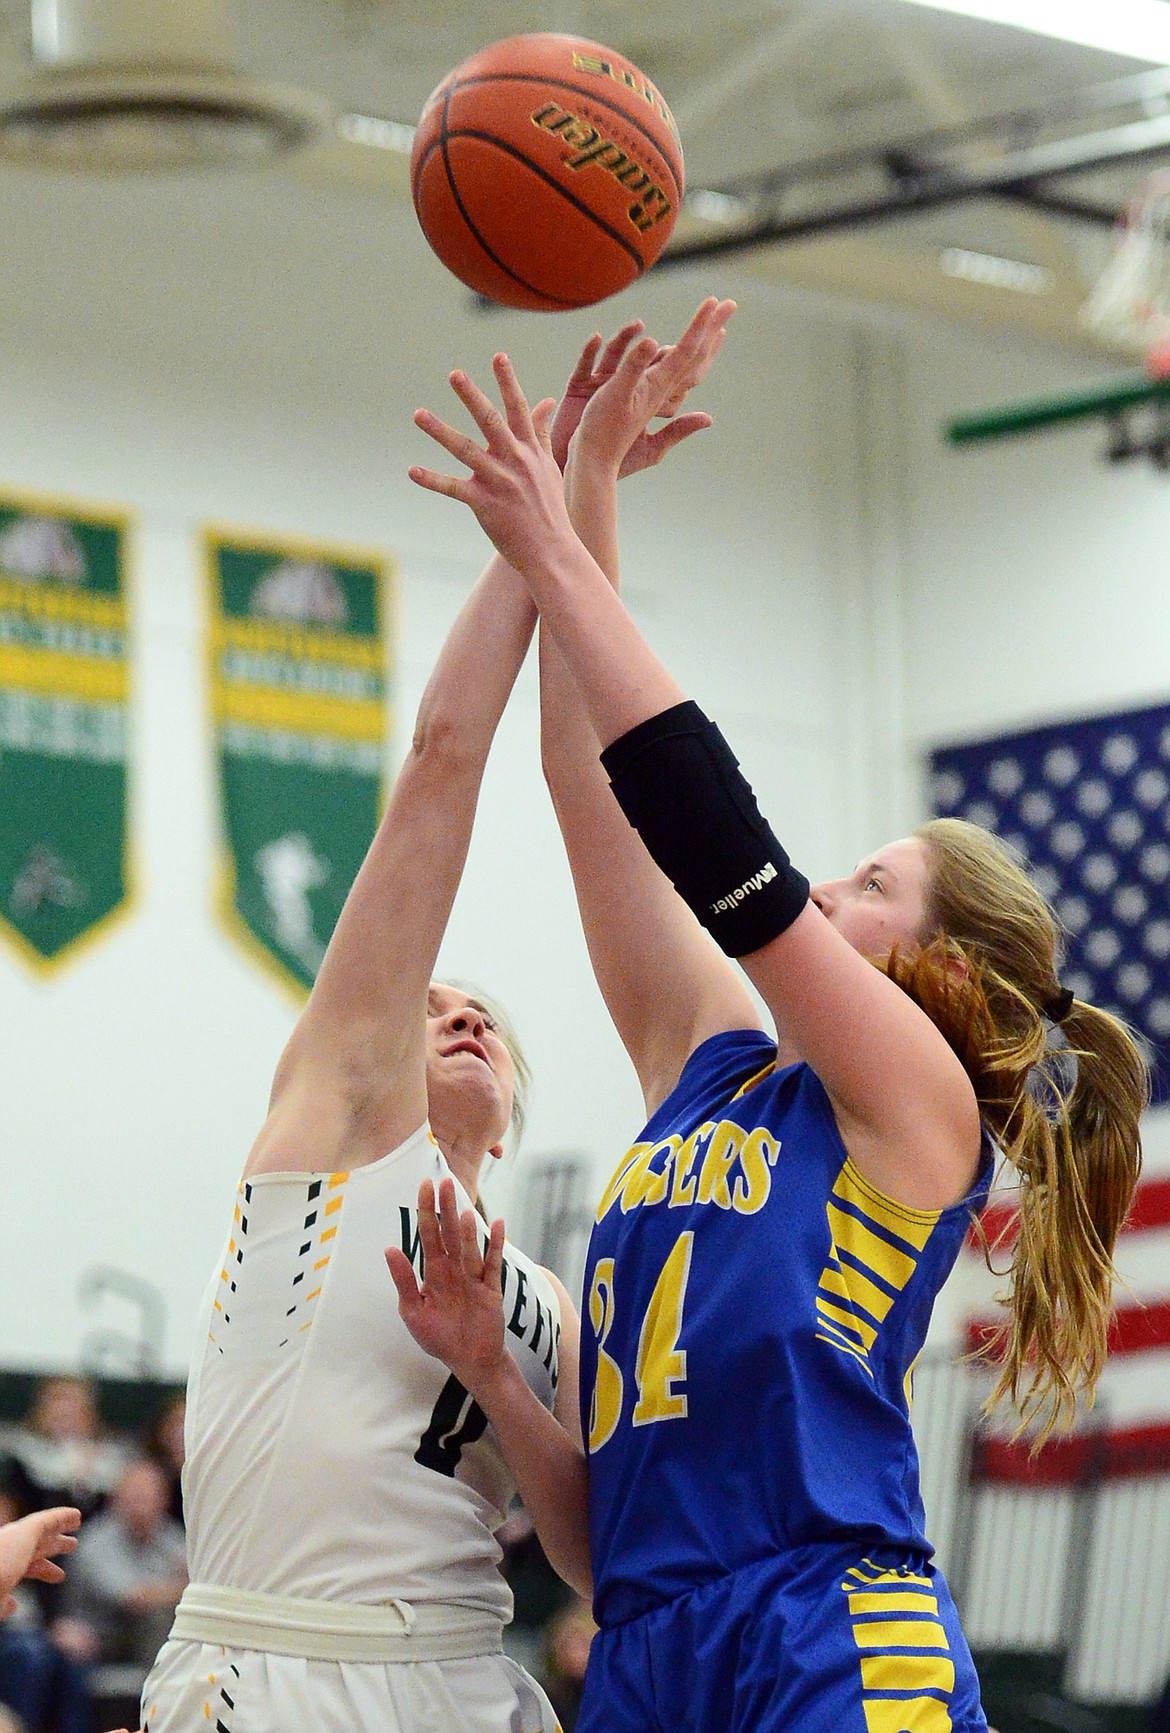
x: 128, y: 1574
x: 39, y: 1686
x: 567, y: 1643
x: 164, y: 1443
x: 60, y: 1453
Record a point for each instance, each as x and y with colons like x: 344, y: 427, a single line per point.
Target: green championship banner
x: 64, y: 682
x: 298, y: 692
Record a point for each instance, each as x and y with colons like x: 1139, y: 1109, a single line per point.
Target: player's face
x: 469, y: 1068
x: 883, y: 902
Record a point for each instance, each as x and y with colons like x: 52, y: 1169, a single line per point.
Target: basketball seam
x: 551, y: 180
x: 557, y: 300
x: 486, y: 138
x: 553, y: 82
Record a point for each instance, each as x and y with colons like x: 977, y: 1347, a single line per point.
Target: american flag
x: 1087, y: 806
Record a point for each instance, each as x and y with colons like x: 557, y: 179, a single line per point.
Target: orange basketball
x: 547, y: 172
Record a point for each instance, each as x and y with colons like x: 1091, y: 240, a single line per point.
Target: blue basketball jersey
x: 753, y: 1310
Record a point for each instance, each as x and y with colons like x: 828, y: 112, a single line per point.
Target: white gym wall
x: 835, y: 586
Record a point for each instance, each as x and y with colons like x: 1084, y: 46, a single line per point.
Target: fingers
x: 682, y: 427
x: 493, y: 1260
x: 45, y: 1571
x: 403, y: 1277
x: 690, y: 359
x: 520, y: 419
x: 616, y: 348
x: 435, y: 482
x: 429, y: 1237
x: 449, y: 1219
x: 542, y: 420
x: 472, y: 1255
x: 478, y: 404
x: 62, y: 1519
x: 582, y: 373
x: 460, y: 445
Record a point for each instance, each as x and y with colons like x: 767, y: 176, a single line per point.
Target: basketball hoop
x: 1130, y: 303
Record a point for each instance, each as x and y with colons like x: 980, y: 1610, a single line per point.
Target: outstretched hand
x: 616, y: 422
x: 28, y: 1547
x: 458, y: 1312
x: 515, y: 488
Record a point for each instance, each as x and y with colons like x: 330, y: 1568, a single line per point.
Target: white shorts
x: 202, y: 1688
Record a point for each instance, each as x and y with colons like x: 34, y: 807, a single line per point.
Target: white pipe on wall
x: 171, y: 33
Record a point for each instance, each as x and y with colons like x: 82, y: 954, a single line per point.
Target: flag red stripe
x: 1132, y: 1329
x: 1150, y: 1207
x: 1101, y: 1455
x: 1150, y: 1210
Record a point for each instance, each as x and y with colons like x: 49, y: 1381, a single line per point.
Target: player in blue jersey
x: 766, y: 1255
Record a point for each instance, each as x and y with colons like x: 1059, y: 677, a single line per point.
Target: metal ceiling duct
x: 146, y: 85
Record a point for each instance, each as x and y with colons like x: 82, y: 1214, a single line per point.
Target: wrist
x: 497, y: 1384
x: 591, y: 469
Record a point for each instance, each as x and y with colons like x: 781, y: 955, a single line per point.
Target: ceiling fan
x: 147, y: 84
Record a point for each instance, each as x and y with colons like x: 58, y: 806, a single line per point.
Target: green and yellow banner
x: 298, y: 652
x: 64, y: 683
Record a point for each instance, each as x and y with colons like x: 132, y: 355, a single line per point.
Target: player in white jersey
x: 341, y: 1491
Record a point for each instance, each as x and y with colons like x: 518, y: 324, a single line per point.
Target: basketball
x: 547, y: 172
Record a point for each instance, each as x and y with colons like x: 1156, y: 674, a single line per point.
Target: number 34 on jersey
x: 660, y: 1370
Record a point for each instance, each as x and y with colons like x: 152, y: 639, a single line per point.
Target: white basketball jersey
x: 328, y: 1457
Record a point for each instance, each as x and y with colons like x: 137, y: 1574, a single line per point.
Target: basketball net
x: 1130, y: 303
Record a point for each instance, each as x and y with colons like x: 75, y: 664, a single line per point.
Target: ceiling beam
x: 913, y: 186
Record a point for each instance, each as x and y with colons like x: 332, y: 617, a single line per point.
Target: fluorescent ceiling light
x: 996, y: 272
x: 715, y: 207
x: 380, y: 134
x: 1139, y: 29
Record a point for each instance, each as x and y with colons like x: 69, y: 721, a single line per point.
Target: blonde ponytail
x: 1074, y: 1141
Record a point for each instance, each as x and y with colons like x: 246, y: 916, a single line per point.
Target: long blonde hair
x: 1066, y: 1117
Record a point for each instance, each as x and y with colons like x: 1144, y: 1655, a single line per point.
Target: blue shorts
x: 806, y: 1641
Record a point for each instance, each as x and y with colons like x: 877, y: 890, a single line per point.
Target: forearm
x: 477, y: 668
x: 568, y: 740
x: 388, y: 935
x: 551, y: 1471
x: 620, y: 679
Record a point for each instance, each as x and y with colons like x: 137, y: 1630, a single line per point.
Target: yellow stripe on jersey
x: 846, y: 1348
x: 907, y: 1673
x: 827, y: 1311
x: 851, y: 1285
x: 893, y: 1602
x: 900, y: 1634
x: 912, y: 1225
x: 852, y: 1236
x: 923, y: 1682
x: 855, y: 1288
x: 922, y: 1714
x: 873, y: 1574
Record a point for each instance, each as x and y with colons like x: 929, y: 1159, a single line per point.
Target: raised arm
x: 351, y: 1083
x: 667, y: 987
x: 905, y: 1105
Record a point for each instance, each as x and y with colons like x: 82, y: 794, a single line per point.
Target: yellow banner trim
x: 298, y: 713
x: 76, y: 607
x: 57, y: 675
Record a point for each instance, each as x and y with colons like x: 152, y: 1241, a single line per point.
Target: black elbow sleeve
x: 679, y: 784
